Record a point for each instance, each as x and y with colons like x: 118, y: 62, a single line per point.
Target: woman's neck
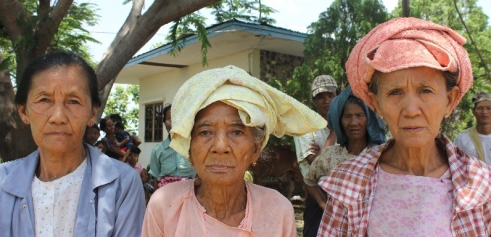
x: 54, y: 165
x: 226, y: 203
x: 425, y: 161
x: 356, y: 146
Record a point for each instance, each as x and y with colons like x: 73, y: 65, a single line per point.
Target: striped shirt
x: 351, y: 187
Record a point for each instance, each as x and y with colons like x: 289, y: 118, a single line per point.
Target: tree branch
x: 43, y: 8
x: 472, y: 41
x: 137, y: 34
x: 129, y: 23
x: 10, y: 12
x: 47, y: 27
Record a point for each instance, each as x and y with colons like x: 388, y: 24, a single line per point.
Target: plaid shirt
x: 351, y: 187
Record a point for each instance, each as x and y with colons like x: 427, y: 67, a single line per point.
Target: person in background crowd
x: 123, y: 137
x: 92, y: 134
x: 102, y: 146
x: 308, y: 146
x: 117, y: 118
x: 476, y: 141
x: 412, y: 73
x: 166, y: 165
x: 357, y: 129
x: 222, y: 120
x: 113, y: 151
x: 131, y: 158
x: 65, y: 187
x: 147, y: 187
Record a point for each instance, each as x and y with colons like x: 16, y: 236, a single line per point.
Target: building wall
x: 163, y: 87
x: 277, y: 65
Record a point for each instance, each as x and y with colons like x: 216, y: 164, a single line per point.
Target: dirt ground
x: 299, y: 207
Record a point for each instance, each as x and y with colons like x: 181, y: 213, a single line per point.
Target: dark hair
x: 116, y: 118
x: 102, y: 123
x: 164, y: 111
x: 93, y: 126
x: 450, y: 80
x: 135, y: 149
x: 119, y: 125
x: 104, y: 143
x: 56, y: 60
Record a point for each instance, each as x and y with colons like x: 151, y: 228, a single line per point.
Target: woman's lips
x: 413, y: 129
x: 218, y: 167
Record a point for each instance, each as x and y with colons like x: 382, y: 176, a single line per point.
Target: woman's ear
x: 93, y: 115
x: 257, y: 151
x: 22, y: 110
x: 452, y: 97
x: 375, y: 104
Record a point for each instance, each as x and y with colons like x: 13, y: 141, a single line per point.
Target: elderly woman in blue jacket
x: 65, y: 187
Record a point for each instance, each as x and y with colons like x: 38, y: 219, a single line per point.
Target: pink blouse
x: 174, y: 210
x: 408, y: 205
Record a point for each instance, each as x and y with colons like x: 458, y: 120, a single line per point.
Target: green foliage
x: 443, y: 12
x: 123, y: 100
x: 223, y: 10
x: 329, y: 43
x: 71, y: 34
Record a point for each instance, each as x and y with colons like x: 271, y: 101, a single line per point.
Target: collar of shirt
x: 355, y: 180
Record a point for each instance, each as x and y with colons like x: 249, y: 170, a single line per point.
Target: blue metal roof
x: 222, y: 28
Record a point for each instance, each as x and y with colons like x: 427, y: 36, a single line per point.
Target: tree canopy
x: 29, y: 29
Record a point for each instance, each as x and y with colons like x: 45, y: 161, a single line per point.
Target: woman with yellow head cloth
x: 413, y: 73
x: 222, y: 119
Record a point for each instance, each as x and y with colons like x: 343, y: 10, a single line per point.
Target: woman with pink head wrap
x: 412, y: 73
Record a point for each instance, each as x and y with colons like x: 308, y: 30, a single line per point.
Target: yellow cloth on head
x: 258, y: 104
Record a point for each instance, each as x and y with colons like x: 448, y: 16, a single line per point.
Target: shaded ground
x: 299, y: 207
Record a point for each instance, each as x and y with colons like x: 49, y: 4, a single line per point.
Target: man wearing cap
x: 476, y: 141
x: 308, y: 146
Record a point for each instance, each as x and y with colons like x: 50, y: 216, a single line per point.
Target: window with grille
x: 154, y: 122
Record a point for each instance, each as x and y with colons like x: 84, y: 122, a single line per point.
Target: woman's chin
x: 220, y: 178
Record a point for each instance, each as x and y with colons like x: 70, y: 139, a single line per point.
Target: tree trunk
x: 135, y: 33
x: 15, y: 136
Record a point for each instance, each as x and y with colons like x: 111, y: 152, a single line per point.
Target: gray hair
x: 259, y: 134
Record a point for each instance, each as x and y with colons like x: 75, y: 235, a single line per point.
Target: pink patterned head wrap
x: 404, y: 43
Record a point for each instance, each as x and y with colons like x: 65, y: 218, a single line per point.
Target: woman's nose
x: 221, y: 143
x: 58, y: 113
x: 411, y: 105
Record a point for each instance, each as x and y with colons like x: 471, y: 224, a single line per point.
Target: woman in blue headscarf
x: 357, y: 128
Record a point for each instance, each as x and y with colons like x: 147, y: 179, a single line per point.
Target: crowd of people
x: 406, y: 75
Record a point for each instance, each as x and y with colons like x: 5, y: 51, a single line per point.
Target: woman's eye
x: 394, y: 92
x: 204, y: 133
x: 43, y: 100
x: 73, y: 102
x: 237, y: 132
x: 425, y: 90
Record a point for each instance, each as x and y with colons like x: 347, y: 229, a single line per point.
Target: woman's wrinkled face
x: 222, y: 147
x: 58, y: 108
x: 413, y: 102
x: 354, y: 121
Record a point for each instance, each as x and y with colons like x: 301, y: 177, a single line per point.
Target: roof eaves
x: 222, y: 28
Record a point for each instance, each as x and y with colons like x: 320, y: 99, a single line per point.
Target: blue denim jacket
x: 111, y: 200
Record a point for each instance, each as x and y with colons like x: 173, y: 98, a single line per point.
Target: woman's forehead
x: 420, y: 76
x: 218, y: 111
